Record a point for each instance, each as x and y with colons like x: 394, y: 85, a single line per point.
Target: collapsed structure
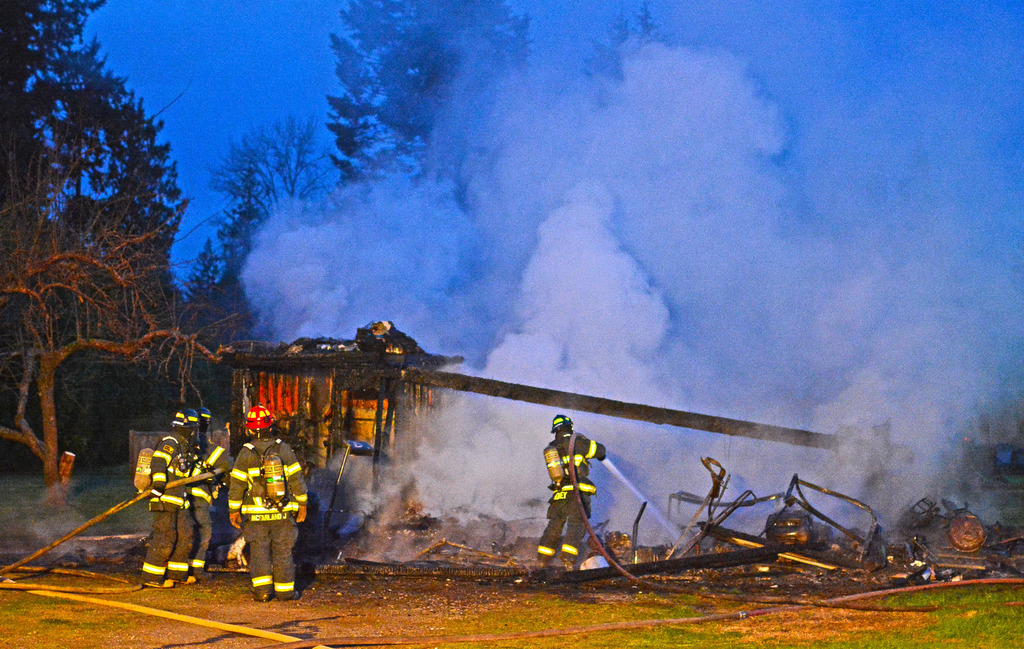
x: 376, y: 387
x: 374, y: 392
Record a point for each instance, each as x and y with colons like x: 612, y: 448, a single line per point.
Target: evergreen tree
x: 398, y: 61
x: 90, y: 205
x: 38, y: 39
x: 62, y: 110
x: 623, y: 35
x: 205, y: 272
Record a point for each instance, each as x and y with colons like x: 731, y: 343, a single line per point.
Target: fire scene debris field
x: 784, y: 588
x: 806, y: 566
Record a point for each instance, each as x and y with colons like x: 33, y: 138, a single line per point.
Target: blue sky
x: 237, y: 65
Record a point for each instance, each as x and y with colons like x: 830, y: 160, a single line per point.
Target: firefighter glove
x: 236, y: 519
x: 301, y: 515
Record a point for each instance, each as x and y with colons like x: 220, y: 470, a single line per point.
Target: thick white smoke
x: 645, y: 239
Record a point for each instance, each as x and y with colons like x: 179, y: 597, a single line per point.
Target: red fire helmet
x: 258, y: 418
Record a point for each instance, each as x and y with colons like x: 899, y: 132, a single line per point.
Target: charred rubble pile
x: 795, y: 546
x: 370, y: 395
x: 410, y: 542
x: 950, y: 542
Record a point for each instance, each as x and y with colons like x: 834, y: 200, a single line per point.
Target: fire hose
x: 110, y: 512
x: 177, y: 617
x: 653, y: 585
x: 359, y: 641
x: 66, y: 592
x: 78, y: 594
x: 597, y: 540
x: 586, y: 517
x: 128, y: 586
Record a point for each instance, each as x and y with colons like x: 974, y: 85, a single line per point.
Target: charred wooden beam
x: 621, y: 409
x: 673, y: 566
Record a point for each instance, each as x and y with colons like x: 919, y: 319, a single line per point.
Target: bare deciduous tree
x: 77, y: 275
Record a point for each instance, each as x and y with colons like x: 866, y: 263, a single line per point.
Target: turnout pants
x: 270, y: 555
x: 202, y: 533
x: 169, y: 545
x: 563, y: 509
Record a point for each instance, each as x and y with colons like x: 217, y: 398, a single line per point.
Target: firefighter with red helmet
x: 167, y: 555
x: 563, y: 507
x: 207, y: 457
x: 266, y: 498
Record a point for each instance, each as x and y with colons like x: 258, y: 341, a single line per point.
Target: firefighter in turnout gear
x: 166, y: 561
x: 266, y: 498
x: 562, y: 507
x: 206, y: 457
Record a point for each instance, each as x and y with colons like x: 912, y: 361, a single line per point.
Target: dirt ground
x: 331, y: 606
x: 391, y: 608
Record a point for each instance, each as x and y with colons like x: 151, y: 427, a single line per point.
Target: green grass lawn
x: 975, y: 616
x: 25, y: 517
x: 980, y: 617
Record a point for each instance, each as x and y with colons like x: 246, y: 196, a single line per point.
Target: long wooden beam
x: 622, y: 409
x: 727, y: 559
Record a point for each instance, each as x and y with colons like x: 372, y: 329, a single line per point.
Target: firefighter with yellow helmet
x: 167, y: 555
x: 207, y: 457
x: 563, y: 507
x: 266, y: 498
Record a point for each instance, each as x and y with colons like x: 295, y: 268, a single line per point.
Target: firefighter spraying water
x: 563, y: 511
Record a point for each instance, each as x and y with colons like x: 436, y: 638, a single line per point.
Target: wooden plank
x: 621, y: 409
x: 675, y: 566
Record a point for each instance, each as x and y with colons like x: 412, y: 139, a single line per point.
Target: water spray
x: 669, y: 527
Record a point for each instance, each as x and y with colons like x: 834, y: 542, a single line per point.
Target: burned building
x: 324, y: 392
x: 375, y: 388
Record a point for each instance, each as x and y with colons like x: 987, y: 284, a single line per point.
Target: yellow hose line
x: 30, y: 570
x: 220, y: 626
x: 114, y: 590
x: 74, y: 572
x: 11, y: 584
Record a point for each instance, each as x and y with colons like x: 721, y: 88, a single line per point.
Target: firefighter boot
x: 161, y: 583
x: 262, y: 594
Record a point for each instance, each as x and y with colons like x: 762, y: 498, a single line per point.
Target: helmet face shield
x: 185, y: 418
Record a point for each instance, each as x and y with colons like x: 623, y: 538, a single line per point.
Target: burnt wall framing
x: 321, y: 400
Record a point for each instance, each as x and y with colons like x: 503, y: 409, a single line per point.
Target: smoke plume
x: 675, y: 236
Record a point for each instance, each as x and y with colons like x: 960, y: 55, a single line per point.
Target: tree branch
x: 130, y: 348
x: 24, y: 433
